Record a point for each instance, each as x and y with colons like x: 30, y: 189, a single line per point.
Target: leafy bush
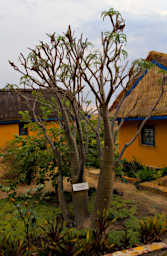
x: 148, y: 174
x: 24, y: 157
x: 130, y: 169
x: 97, y: 241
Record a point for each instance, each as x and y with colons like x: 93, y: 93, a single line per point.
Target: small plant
x: 97, y: 240
x: 121, y: 209
x: 24, y: 211
x: 9, y: 245
x: 125, y: 238
x: 153, y: 228
x: 58, y: 239
x: 125, y: 213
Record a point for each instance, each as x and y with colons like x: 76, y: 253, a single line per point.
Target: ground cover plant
x: 135, y: 169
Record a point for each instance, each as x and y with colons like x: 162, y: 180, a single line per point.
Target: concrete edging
x: 148, y: 186
x: 140, y: 250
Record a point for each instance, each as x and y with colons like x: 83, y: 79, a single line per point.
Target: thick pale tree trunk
x: 79, y: 198
x: 80, y: 205
x: 107, y: 172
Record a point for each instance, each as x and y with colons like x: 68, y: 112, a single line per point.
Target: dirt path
x: 148, y: 203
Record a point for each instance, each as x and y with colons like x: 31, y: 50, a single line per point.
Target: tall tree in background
x: 70, y: 68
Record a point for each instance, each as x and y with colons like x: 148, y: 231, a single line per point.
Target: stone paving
x: 140, y: 250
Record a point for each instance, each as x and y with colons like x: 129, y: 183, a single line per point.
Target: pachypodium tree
x: 70, y: 69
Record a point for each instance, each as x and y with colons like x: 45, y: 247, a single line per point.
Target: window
x: 22, y: 130
x: 148, y: 135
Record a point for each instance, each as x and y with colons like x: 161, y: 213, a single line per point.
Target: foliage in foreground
x: 56, y: 238
x: 47, y: 234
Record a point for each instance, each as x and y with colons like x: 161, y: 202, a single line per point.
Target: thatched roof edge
x: 160, y: 60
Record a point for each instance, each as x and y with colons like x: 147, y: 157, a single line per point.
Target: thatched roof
x: 11, y: 102
x: 146, y: 91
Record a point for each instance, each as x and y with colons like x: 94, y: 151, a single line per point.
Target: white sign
x: 80, y: 186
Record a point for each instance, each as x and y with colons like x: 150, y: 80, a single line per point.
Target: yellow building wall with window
x: 8, y: 131
x: 153, y: 156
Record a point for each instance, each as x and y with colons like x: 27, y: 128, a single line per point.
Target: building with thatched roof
x: 150, y: 147
x: 10, y: 119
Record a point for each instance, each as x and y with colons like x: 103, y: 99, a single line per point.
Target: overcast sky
x: 23, y: 23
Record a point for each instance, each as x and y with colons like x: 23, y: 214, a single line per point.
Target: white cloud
x: 139, y: 7
x: 24, y: 22
x: 161, y: 12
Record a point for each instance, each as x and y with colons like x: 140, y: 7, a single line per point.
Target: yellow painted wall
x: 154, y: 156
x: 7, y: 132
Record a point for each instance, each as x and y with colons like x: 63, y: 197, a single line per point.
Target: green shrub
x: 145, y: 174
x: 131, y: 168
x: 24, y: 157
x: 136, y: 170
x: 148, y: 174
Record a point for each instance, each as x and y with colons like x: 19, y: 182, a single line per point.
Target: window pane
x: 147, y: 135
x: 22, y: 130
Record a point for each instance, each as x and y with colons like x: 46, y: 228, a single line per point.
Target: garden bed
x: 127, y: 206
